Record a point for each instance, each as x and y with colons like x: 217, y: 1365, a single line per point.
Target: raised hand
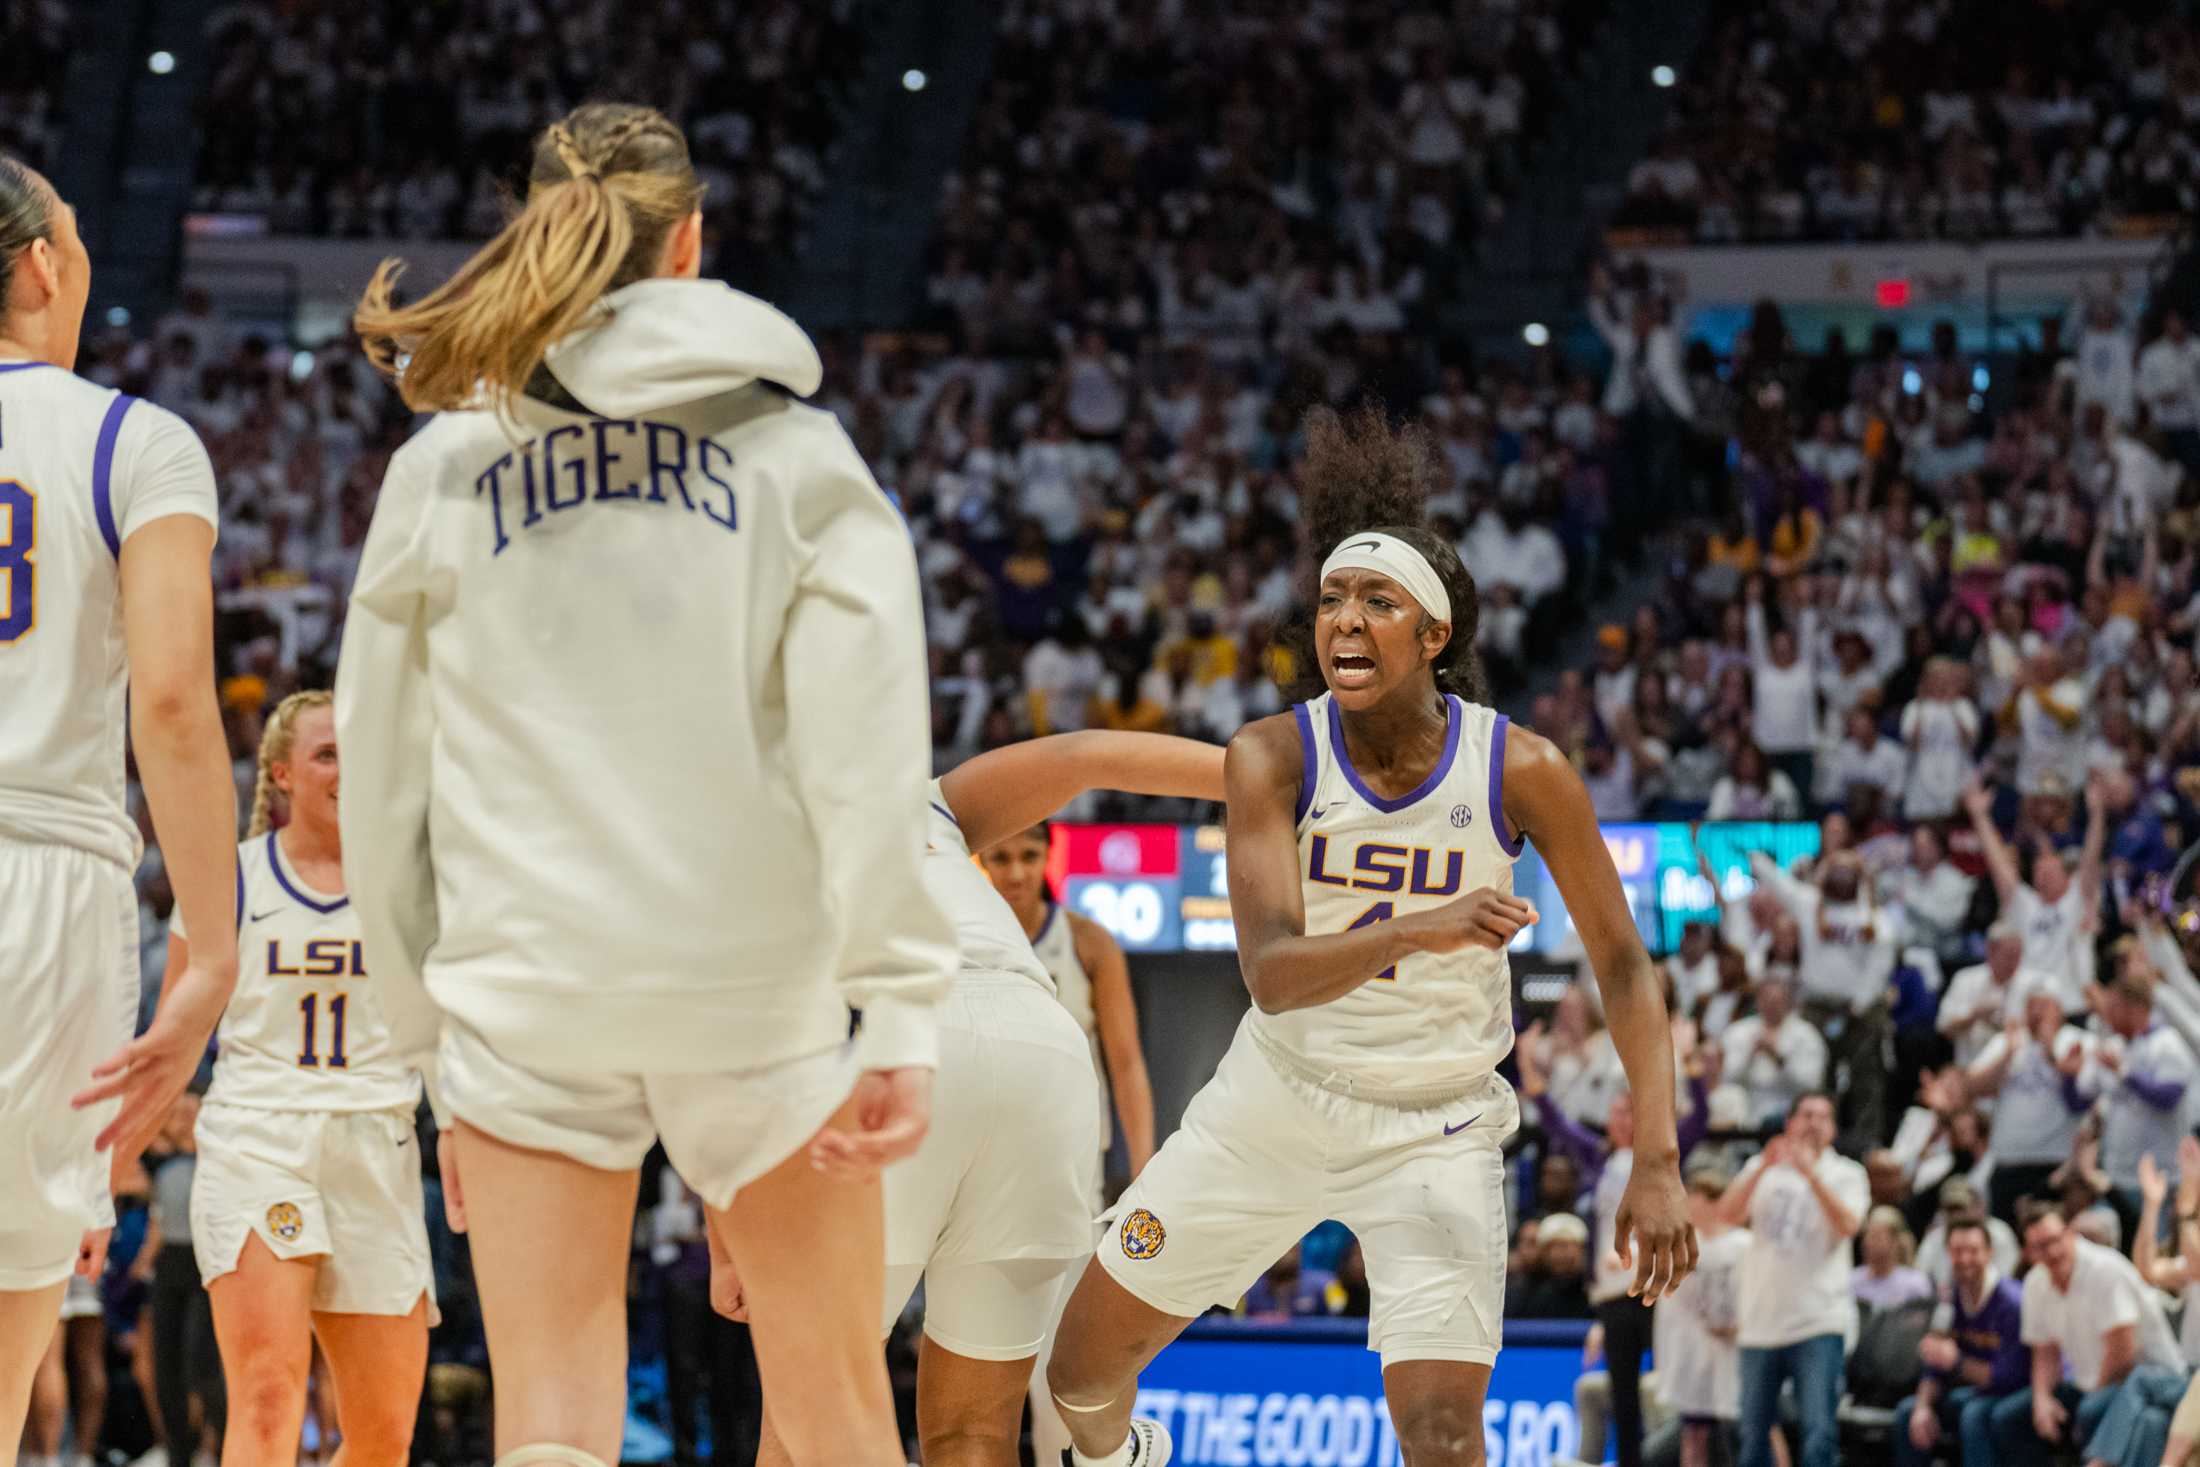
x: 2188, y: 1176
x: 2153, y: 1186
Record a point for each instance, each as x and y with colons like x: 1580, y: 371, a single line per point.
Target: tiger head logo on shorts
x: 285, y: 1221
x: 1143, y: 1235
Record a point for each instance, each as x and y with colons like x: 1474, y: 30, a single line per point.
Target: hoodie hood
x: 667, y: 341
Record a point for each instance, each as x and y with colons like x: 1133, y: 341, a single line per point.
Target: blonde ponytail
x: 608, y: 185
x: 275, y: 743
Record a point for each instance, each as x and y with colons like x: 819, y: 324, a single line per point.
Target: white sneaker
x: 156, y: 1456
x: 1151, y: 1445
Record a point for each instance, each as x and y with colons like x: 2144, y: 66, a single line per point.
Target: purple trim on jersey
x: 951, y: 820
x: 22, y: 366
x: 1435, y: 776
x: 275, y: 863
x: 1511, y: 844
x: 240, y: 897
x: 103, y: 470
x: 1308, y: 765
x: 1053, y: 910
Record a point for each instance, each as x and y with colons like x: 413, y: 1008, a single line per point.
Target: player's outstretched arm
x: 183, y: 758
x: 1284, y: 968
x: 1545, y: 798
x: 996, y: 794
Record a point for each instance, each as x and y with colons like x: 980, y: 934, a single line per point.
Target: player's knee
x: 1438, y: 1433
x: 266, y: 1398
x: 978, y: 1439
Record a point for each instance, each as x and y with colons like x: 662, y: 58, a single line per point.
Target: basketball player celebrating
x: 1372, y: 832
x: 632, y: 707
x: 107, y: 516
x: 306, y: 1213
x: 996, y: 1206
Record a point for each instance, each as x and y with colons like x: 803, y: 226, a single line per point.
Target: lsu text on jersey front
x: 303, y: 1031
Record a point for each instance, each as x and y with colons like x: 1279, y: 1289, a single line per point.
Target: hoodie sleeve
x: 859, y: 741
x: 385, y: 724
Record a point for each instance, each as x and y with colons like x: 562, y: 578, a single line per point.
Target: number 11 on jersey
x: 309, y: 1012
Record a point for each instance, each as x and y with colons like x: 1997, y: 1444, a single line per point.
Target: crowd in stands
x: 34, y: 62
x: 1946, y: 608
x: 1927, y: 119
x: 397, y: 121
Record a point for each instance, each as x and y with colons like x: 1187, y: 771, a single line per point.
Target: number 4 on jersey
x: 1380, y: 912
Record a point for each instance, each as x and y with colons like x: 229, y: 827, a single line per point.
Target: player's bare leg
x: 1107, y: 1336
x: 1436, y: 1407
x: 810, y: 1250
x: 969, y: 1411
x: 379, y: 1363
x: 49, y: 1412
x: 263, y: 1323
x: 27, y: 1319
x: 550, y: 1240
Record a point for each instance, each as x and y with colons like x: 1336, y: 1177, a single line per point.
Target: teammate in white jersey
x: 107, y: 513
x: 306, y: 1213
x: 1093, y: 982
x: 633, y: 710
x: 1371, y: 835
x: 995, y: 1208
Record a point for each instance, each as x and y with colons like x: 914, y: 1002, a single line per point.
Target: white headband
x: 1393, y: 557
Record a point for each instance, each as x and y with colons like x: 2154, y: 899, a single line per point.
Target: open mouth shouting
x: 1349, y: 669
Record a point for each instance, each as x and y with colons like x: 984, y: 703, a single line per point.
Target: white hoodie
x: 633, y: 717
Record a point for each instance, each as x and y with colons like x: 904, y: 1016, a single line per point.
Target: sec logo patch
x: 285, y: 1221
x: 1143, y: 1235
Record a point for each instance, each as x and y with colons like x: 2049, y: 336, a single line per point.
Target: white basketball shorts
x: 343, y: 1186
x: 720, y: 1131
x: 69, y: 997
x: 996, y: 1205
x: 1262, y: 1157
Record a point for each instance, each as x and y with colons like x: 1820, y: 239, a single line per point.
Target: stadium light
x: 1535, y: 333
x: 1662, y: 76
x: 160, y: 63
x: 913, y: 80
x: 118, y: 315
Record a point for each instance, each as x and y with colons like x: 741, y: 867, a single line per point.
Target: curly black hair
x: 1361, y: 474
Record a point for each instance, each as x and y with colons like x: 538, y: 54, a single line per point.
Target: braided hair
x: 607, y: 186
x: 275, y: 744
x: 1361, y: 475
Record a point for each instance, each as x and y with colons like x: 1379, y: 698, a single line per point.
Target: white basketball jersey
x: 1056, y: 946
x: 303, y: 1030
x: 1436, y: 1021
x: 81, y: 468
x: 988, y: 938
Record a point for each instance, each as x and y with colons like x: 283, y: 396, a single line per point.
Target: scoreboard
x: 1165, y: 888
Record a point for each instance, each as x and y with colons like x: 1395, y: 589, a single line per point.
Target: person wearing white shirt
x: 2143, y: 1072
x: 2102, y: 1352
x: 1784, y: 686
x: 2056, y: 915
x: 1506, y: 546
x: 1959, y: 1199
x: 1847, y: 961
x: 1694, y: 969
x: 2047, y: 710
x: 1934, y: 896
x: 2103, y: 364
x: 1699, y: 1368
x: 1985, y: 997
x: 1863, y: 757
x: 1646, y: 360
x: 1939, y: 728
x: 1774, y: 1054
x: 1802, y: 1202
x: 2028, y: 1069
x: 2169, y: 383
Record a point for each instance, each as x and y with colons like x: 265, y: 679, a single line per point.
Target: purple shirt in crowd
x: 1994, y: 1333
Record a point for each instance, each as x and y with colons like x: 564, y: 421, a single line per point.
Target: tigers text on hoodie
x: 633, y: 718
